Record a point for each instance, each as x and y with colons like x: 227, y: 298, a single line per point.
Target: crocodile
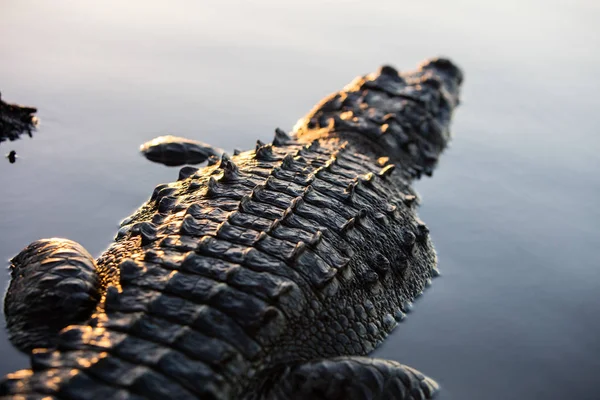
x: 269, y: 274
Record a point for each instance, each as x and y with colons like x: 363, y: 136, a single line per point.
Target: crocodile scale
x: 267, y: 274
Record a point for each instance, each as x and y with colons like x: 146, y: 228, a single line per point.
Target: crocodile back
x: 303, y: 248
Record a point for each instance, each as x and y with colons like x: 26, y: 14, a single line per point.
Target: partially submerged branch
x: 16, y: 120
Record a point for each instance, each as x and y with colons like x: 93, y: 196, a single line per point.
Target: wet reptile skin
x: 270, y: 274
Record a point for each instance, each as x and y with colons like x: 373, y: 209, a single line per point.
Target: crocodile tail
x: 403, y: 116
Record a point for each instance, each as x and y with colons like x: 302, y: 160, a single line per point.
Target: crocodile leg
x: 351, y: 378
x: 54, y: 284
x: 174, y: 151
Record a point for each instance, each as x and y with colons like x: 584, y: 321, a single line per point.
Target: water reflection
x: 511, y: 207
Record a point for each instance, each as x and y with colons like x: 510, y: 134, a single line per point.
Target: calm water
x: 512, y: 208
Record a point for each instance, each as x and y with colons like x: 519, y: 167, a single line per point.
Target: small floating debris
x: 12, y: 156
x: 16, y: 120
x: 174, y: 151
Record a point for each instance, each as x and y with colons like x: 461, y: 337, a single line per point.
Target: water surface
x: 512, y: 207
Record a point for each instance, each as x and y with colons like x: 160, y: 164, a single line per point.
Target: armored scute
x: 270, y: 274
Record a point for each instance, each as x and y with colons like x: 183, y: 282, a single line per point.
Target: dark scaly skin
x: 244, y: 277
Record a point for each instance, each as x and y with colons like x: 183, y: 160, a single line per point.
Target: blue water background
x: 513, y: 207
